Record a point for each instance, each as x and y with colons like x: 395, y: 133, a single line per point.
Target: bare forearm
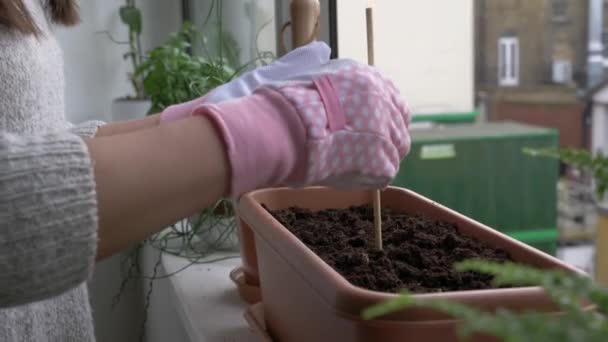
x: 151, y: 178
x: 130, y: 126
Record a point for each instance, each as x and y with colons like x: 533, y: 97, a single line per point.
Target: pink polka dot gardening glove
x: 344, y: 125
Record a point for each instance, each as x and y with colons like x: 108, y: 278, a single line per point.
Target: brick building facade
x: 531, y: 63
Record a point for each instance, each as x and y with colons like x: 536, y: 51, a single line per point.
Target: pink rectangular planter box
x: 304, y: 299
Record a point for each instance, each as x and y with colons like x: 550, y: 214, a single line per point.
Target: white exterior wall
x: 425, y: 46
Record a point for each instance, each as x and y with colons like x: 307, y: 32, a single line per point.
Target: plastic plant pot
x: 248, y: 254
x: 304, y: 299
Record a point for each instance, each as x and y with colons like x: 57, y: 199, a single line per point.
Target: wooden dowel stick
x: 370, y: 60
x: 377, y: 220
x: 369, y: 16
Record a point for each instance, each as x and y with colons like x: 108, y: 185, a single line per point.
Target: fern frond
x: 394, y: 305
x: 566, y: 289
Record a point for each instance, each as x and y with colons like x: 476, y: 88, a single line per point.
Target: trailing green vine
x: 172, y: 74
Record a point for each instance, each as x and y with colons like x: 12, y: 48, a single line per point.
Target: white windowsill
x: 207, y: 301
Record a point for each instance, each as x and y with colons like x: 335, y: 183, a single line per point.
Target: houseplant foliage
x: 566, y: 290
x: 172, y: 74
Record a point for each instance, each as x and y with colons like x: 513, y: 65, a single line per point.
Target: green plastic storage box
x: 480, y: 170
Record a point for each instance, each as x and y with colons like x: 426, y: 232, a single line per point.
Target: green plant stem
x: 133, y: 56
x: 131, y: 17
x: 257, y: 39
x: 148, y: 298
x: 136, y: 60
x: 220, y: 14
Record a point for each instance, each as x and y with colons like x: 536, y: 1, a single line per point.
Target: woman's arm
x: 65, y: 202
x: 149, y: 179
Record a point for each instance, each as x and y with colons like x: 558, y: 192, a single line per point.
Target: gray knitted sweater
x: 48, y: 215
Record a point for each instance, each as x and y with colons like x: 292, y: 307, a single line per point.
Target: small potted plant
x: 136, y: 105
x: 319, y: 270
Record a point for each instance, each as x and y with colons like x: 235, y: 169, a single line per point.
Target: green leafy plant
x: 173, y: 75
x: 568, y: 291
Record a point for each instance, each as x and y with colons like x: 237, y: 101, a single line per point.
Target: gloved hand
x: 344, y: 125
x: 298, y: 61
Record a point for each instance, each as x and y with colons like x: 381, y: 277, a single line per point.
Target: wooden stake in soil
x: 370, y: 60
x: 369, y: 18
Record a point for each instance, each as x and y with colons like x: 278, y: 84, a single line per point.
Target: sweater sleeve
x: 48, y: 216
x: 87, y: 129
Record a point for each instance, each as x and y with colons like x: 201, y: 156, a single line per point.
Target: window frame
x: 559, y: 10
x: 564, y: 67
x: 508, y: 61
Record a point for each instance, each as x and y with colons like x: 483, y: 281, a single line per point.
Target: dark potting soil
x: 418, y: 253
